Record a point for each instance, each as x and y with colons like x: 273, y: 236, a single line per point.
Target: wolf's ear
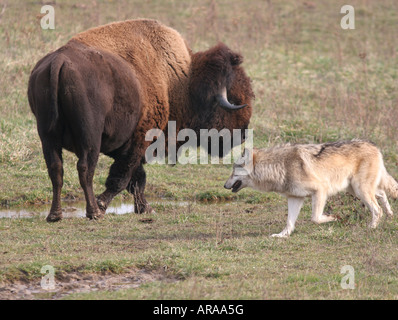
x: 247, y: 154
x: 242, y: 159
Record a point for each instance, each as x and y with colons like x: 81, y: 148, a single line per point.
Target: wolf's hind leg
x: 377, y: 212
x: 382, y: 197
x: 318, y: 204
x: 367, y: 194
x: 373, y: 206
x: 294, y: 207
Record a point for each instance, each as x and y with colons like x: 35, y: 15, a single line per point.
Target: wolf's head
x: 241, y: 173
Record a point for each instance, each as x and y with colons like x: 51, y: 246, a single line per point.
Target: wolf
x: 318, y: 171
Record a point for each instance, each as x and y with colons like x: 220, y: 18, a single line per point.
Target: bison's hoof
x: 149, y: 209
x: 144, y: 209
x: 95, y: 215
x: 54, y: 217
x: 101, y: 205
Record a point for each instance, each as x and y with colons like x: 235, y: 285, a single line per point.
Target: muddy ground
x: 75, y: 282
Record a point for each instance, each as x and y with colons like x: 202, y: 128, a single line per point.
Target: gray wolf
x: 105, y: 88
x: 318, y: 171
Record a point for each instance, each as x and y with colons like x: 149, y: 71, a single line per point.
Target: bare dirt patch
x: 75, y: 282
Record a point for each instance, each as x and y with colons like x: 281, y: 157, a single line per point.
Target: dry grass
x: 313, y: 81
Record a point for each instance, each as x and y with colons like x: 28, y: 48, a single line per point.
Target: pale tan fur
x: 319, y: 171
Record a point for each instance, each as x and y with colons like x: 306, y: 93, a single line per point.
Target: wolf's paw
x: 284, y: 234
x: 324, y: 219
x: 278, y: 235
x: 373, y: 224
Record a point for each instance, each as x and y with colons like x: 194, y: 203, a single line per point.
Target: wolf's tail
x: 389, y: 184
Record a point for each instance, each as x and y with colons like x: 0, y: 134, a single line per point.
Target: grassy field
x: 314, y: 82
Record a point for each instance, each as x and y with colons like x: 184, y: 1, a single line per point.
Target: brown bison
x: 104, y: 89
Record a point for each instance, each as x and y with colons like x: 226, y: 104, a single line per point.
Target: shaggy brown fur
x: 104, y: 89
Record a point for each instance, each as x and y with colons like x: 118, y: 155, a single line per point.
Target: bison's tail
x: 55, y: 70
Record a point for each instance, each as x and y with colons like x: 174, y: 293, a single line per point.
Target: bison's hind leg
x: 52, y: 151
x: 87, y: 148
x: 86, y: 167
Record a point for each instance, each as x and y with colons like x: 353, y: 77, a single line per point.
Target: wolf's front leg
x: 318, y: 204
x: 294, y: 207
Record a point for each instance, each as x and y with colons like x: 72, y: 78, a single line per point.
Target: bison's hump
x: 138, y: 38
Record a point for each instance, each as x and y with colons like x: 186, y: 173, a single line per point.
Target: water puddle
x: 78, y: 209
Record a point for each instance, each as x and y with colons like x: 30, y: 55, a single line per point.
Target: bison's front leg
x: 119, y: 177
x: 136, y: 187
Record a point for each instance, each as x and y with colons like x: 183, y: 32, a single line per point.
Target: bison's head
x: 220, y: 94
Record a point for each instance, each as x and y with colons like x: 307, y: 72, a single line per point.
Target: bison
x: 106, y: 87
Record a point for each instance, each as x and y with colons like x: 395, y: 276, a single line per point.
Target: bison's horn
x: 224, y: 103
